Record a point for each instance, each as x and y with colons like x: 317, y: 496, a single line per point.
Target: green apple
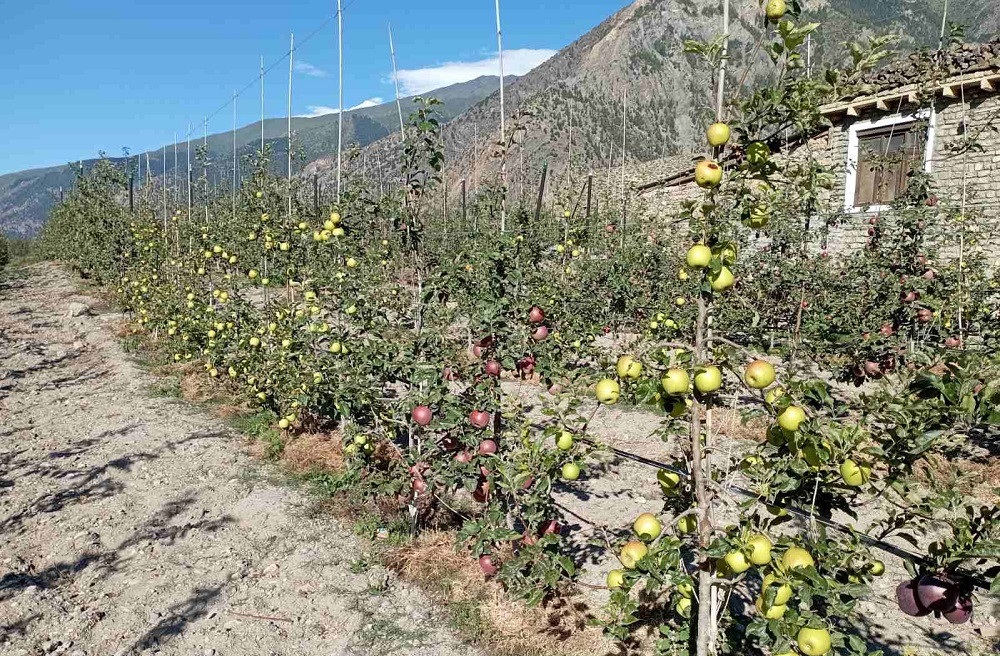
x: 736, y: 562
x: 760, y: 549
x: 718, y: 134
x: 877, y: 568
x: 687, y: 524
x: 699, y: 256
x: 775, y: 9
x: 685, y: 590
x: 676, y: 382
x: 628, y: 367
x: 773, y: 395
x: 813, y: 642
x: 616, y: 578
x: 608, y: 391
x: 668, y: 480
x: 632, y: 553
x: 792, y: 418
x: 782, y: 595
x: 708, y: 174
x: 795, y: 558
x: 683, y: 607
x: 855, y: 475
x: 565, y: 441
x: 570, y: 471
x: 774, y: 612
x: 759, y: 374
x: 647, y: 527
x: 708, y: 379
x: 722, y: 279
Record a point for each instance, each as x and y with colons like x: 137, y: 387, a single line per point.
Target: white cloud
x: 515, y: 62
x: 371, y: 102
x: 308, y: 69
x: 323, y: 110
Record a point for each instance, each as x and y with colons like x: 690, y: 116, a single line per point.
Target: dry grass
x: 728, y: 422
x: 314, y: 452
x: 506, y: 627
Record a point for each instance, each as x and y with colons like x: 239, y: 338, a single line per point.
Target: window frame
x: 853, y: 152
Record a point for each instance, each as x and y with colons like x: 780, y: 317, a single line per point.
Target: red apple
x: 526, y: 365
x: 872, y: 368
x: 419, y: 486
x: 540, y: 333
x: 960, y: 613
x: 449, y: 374
x: 450, y: 443
x: 487, y: 448
x: 550, y: 527
x: 887, y: 330
x: 493, y: 369
x: 463, y: 456
x: 536, y: 314
x: 929, y: 274
x: 936, y: 592
x: 486, y: 564
x: 931, y: 201
x: 925, y: 316
x: 609, y: 228
x: 906, y: 599
x: 528, y: 482
x: 953, y: 342
x: 479, y: 419
x: 422, y: 415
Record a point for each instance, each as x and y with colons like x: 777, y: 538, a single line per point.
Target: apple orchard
x: 409, y: 338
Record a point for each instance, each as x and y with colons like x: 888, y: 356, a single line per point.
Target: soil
x: 135, y: 524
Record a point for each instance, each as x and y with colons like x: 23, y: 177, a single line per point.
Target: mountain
x: 571, y: 105
x: 27, y: 196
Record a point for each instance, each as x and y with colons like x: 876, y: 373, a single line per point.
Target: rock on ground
x: 137, y: 525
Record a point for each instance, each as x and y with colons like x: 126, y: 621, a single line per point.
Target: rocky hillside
x: 571, y: 105
x: 27, y: 196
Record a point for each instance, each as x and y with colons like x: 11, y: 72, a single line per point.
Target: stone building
x: 937, y: 111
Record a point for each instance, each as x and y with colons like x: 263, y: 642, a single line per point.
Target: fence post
x: 541, y: 191
x: 131, y: 192
x: 465, y: 225
x: 316, y: 193
x: 590, y: 189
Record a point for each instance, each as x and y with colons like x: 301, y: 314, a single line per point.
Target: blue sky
x: 80, y: 77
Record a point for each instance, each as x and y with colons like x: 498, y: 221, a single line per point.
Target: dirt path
x: 136, y: 525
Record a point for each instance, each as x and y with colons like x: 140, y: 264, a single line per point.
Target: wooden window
x: 886, y: 156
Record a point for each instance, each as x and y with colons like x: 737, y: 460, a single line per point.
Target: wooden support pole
x: 590, y: 192
x: 541, y: 191
x: 464, y: 208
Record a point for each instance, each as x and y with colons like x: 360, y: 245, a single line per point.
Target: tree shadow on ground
x: 177, y: 618
x: 156, y: 528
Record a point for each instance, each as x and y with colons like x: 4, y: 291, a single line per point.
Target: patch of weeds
x: 467, y: 620
x: 166, y: 388
x: 260, y: 426
x: 131, y: 344
x: 386, y: 636
x: 360, y: 565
